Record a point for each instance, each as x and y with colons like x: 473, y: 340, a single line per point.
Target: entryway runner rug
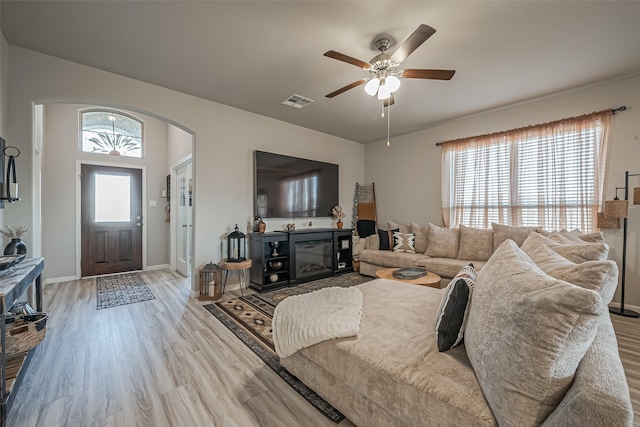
x: 121, y: 289
x: 249, y: 318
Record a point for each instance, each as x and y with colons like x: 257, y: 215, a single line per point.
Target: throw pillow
x: 600, y: 276
x: 403, y: 228
x: 475, y: 243
x: 386, y: 239
x: 503, y: 232
x: 443, y: 242
x: 576, y: 252
x: 526, y: 334
x: 422, y: 234
x: 597, y: 237
x: 561, y: 237
x: 454, y: 308
x: 404, y: 242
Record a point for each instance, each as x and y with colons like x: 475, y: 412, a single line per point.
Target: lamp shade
x: 616, y: 208
x: 607, y: 223
x: 383, y: 92
x: 393, y: 82
x: 372, y: 86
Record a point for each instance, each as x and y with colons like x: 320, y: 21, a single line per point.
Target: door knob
x: 138, y: 224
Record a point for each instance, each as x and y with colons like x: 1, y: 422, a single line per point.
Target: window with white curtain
x: 548, y: 175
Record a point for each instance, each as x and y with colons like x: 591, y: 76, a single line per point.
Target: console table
x: 289, y: 258
x: 13, y: 283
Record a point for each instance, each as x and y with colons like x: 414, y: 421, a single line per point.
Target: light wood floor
x: 169, y: 362
x: 164, y: 362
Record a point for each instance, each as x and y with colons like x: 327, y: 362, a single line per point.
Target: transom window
x: 548, y: 176
x: 111, y: 132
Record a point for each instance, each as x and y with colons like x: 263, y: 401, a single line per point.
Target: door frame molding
x: 173, y: 223
x: 79, y: 163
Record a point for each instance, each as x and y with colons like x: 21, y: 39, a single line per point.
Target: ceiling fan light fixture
x: 384, y: 92
x: 393, y: 83
x: 372, y: 86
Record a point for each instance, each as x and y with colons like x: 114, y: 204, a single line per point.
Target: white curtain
x: 548, y: 175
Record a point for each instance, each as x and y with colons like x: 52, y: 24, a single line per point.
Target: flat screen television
x: 290, y: 187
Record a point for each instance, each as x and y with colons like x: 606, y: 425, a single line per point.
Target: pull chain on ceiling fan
x: 383, y: 68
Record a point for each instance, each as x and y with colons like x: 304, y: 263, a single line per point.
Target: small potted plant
x: 16, y: 246
x: 339, y: 215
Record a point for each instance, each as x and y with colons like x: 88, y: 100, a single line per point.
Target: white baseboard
x: 60, y: 279
x: 629, y: 306
x: 156, y: 267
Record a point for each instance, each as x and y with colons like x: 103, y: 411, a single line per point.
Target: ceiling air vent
x: 297, y: 101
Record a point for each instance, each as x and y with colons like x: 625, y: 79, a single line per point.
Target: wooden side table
x: 241, y: 267
x: 430, y: 279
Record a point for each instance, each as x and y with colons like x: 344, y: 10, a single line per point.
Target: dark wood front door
x: 111, y: 219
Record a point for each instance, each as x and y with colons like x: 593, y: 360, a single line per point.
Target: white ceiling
x: 252, y: 55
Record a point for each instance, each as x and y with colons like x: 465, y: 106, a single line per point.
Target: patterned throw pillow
x: 386, y: 239
x: 454, y: 308
x: 404, y: 242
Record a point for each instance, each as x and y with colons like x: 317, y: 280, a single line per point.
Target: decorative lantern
x: 236, y: 246
x: 210, y: 282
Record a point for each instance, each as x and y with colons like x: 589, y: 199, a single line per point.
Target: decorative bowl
x: 273, y: 278
x: 275, y: 265
x: 409, y: 273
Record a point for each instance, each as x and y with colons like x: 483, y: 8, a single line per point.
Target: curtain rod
x: 613, y: 112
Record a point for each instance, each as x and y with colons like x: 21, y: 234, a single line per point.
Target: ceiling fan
x: 385, y: 76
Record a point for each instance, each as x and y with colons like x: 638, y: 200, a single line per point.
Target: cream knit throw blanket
x: 304, y: 320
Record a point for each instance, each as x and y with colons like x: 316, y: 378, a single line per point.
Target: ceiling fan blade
x: 389, y: 101
x: 348, y: 59
x: 414, y: 41
x: 428, y: 74
x: 346, y: 88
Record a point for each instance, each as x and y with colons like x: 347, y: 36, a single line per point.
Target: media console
x: 288, y: 258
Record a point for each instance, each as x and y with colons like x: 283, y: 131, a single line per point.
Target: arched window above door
x: 111, y: 132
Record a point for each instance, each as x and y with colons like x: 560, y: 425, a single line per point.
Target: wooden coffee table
x: 430, y: 279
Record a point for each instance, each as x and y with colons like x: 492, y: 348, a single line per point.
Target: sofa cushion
x: 454, y: 308
x: 372, y: 242
x: 395, y: 363
x: 600, y: 276
x: 390, y: 258
x: 403, y: 228
x: 422, y: 235
x: 443, y: 242
x: 576, y: 252
x: 446, y: 267
x: 404, y: 242
x: 503, y: 232
x: 526, y: 335
x: 386, y: 239
x: 475, y: 243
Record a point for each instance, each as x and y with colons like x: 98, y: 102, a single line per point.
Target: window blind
x: 547, y: 176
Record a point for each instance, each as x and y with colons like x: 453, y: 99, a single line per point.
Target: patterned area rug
x: 249, y: 318
x: 121, y: 289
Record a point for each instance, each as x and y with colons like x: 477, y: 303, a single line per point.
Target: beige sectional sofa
x: 392, y: 373
x: 445, y: 251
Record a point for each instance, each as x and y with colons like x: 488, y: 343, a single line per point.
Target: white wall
x: 4, y: 96
x: 420, y: 198
x: 225, y: 138
x: 59, y: 181
x: 180, y: 147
